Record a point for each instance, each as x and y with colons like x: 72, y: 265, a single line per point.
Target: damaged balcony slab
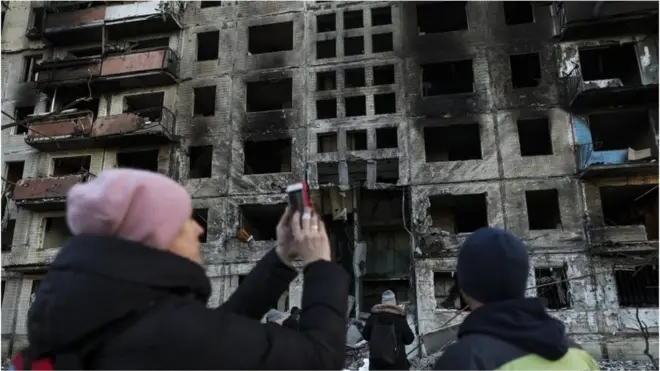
x: 78, y: 26
x: 44, y: 194
x: 59, y: 132
x: 584, y: 95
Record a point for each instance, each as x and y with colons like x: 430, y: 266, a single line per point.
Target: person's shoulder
x: 458, y: 356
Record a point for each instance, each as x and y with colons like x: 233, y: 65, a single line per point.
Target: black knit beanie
x: 493, y: 265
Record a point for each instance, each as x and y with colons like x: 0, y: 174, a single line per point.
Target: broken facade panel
x: 414, y: 125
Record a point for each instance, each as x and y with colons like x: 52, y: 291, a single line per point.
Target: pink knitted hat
x: 135, y: 205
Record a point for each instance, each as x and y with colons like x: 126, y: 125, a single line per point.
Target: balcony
x: 68, y: 24
x: 78, y: 130
x: 583, y: 95
x: 139, y: 69
x: 615, y: 163
x: 602, y: 19
x: 45, y: 194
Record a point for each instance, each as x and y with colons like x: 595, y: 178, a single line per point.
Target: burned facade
x: 414, y: 124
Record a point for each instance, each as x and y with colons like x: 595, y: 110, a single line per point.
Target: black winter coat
x: 95, y: 280
x: 388, y: 313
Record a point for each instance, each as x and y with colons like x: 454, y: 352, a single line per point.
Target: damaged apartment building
x: 414, y: 124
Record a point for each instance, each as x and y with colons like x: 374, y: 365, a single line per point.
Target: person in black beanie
x: 505, y: 329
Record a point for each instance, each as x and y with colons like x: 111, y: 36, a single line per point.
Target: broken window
x: 543, y: 209
x: 209, y: 4
x: 269, y: 95
x: 381, y: 16
x: 631, y: 205
x: 354, y: 77
x: 328, y: 172
x: 610, y: 62
x: 36, y: 282
x: 534, y: 137
x: 36, y: 22
x: 353, y: 46
x: 447, y: 78
x: 518, y: 12
x: 447, y: 294
x: 149, y: 105
x: 326, y: 108
x: 383, y: 75
x: 325, y: 22
x: 267, y: 156
x: 357, y: 171
x: 620, y: 130
x: 270, y: 38
x: 56, y: 232
x: 460, y: 142
x: 14, y: 172
x: 326, y: 80
x: 204, y: 101
x: 3, y: 281
x: 20, y: 114
x: 208, y: 45
x: 355, y: 106
x: 327, y: 142
x: 387, y: 138
x: 29, y: 64
x: 373, y: 289
x: 146, y: 44
x: 552, y: 287
x: 260, y: 221
x: 356, y: 140
x: 353, y: 19
x: 326, y: 49
x: 93, y: 51
x: 201, y: 162
x: 382, y: 42
x: 71, y: 165
x: 441, y: 16
x: 384, y: 103
x: 387, y: 170
x: 637, y: 287
x: 142, y: 160
x: 525, y: 70
x: 459, y: 213
x: 201, y: 216
x: 8, y: 235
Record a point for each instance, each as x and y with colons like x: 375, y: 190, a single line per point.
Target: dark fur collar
x: 388, y: 308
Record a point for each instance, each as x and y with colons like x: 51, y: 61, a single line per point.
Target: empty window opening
x: 355, y: 106
x: 210, y: 4
x: 357, y: 172
x: 36, y: 20
x: 447, y: 294
x: 327, y: 142
x: 452, y: 143
x: 326, y: 108
x: 241, y: 278
x: 534, y: 137
x: 14, y: 172
x: 8, y: 235
x: 56, y: 232
x: 356, y: 140
x: 387, y: 138
x: 459, y: 213
x: 326, y: 22
x: 353, y: 45
x: 441, y: 16
x: 619, y: 130
x: 20, y: 114
x: 204, y: 101
x: 447, y: 78
x: 208, y: 45
x: 384, y: 103
x: 91, y: 105
x: 372, y: 291
x: 525, y: 70
x: 3, y: 281
x: 518, y: 12
x: 277, y: 160
x: 382, y: 43
x: 326, y: 49
x: 160, y: 42
x: 637, y: 287
x: 328, y: 172
x: 552, y: 287
x: 543, y: 209
x: 353, y: 19
x: 36, y: 282
x: 631, y: 205
x: 381, y: 16
x: 326, y: 80
x: 270, y: 38
x: 354, y: 77
x: 201, y: 216
x: 29, y: 64
x: 93, y: 51
x: 387, y: 170
x: 201, y: 162
x: 149, y: 106
x: 269, y: 95
x: 383, y: 75
x: 143, y: 160
x: 610, y: 62
x: 71, y: 165
x: 260, y: 221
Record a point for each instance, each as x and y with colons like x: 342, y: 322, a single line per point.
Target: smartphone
x: 298, y: 198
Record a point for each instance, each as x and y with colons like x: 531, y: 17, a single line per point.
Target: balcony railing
x: 618, y: 162
x: 44, y: 194
x: 583, y: 95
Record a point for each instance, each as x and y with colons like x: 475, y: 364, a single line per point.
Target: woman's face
x: 186, y: 243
